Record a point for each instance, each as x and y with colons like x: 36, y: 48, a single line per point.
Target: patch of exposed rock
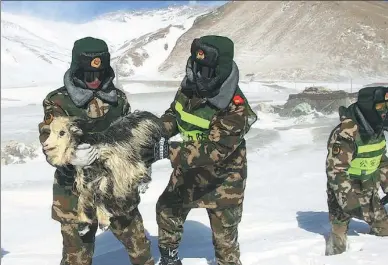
x: 315, y: 99
x: 17, y: 153
x: 135, y: 52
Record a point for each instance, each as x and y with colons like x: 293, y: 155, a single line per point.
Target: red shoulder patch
x: 238, y: 100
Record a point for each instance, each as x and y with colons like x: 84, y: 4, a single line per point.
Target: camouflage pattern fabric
x: 77, y: 250
x: 171, y: 215
x: 384, y: 174
x: 336, y: 243
x: 209, y: 173
x: 58, y: 103
x: 131, y: 233
x: 129, y: 230
x: 350, y: 197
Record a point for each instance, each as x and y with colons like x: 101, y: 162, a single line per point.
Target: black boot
x: 169, y: 257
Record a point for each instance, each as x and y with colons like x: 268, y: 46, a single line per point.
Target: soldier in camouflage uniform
x: 89, y: 93
x: 212, y: 115
x: 356, y: 167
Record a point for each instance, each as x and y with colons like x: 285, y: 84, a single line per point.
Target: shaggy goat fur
x: 109, y: 183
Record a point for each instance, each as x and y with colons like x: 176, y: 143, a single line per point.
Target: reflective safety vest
x: 195, y: 125
x: 367, y: 159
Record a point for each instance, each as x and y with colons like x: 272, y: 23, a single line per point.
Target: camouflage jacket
x: 58, y: 103
x: 351, y: 192
x: 212, y: 172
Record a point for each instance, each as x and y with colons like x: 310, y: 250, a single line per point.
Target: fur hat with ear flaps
x: 225, y: 51
x: 363, y: 111
x: 214, y: 52
x: 90, y: 55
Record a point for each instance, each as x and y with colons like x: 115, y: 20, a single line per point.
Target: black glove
x: 159, y: 151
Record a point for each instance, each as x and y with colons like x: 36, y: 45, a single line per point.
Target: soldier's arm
x: 384, y: 173
x: 169, y: 121
x: 341, y: 151
x: 226, y: 134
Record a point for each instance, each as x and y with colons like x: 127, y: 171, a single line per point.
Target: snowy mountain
x: 35, y: 51
x: 297, y: 40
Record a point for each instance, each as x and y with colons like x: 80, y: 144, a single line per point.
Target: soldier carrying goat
x: 88, y: 108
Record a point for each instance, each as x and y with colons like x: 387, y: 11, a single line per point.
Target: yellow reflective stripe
x: 367, y: 166
x: 371, y: 147
x: 190, y: 118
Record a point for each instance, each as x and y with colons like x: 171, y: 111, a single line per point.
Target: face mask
x: 92, y: 79
x: 207, y: 83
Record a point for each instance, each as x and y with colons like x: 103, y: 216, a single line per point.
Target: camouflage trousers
x: 366, y: 207
x: 224, y: 225
x: 128, y: 230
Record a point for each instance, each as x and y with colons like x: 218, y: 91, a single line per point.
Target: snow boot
x: 337, y: 241
x: 169, y: 257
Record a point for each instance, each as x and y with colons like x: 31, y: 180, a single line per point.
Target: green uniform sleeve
x: 169, y: 121
x: 341, y: 149
x: 384, y: 173
x: 227, y: 130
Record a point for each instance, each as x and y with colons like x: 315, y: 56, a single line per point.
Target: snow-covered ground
x: 285, y: 217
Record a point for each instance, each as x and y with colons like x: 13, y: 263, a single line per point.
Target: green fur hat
x: 90, y: 54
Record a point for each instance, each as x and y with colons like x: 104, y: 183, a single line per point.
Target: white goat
x: 108, y: 184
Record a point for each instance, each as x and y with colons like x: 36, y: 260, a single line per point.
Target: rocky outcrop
x: 17, y: 153
x: 315, y: 99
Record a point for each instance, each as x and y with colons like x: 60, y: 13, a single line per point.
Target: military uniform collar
x: 80, y: 95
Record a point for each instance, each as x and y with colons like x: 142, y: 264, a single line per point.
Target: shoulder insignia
x: 336, y: 149
x: 238, y: 100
